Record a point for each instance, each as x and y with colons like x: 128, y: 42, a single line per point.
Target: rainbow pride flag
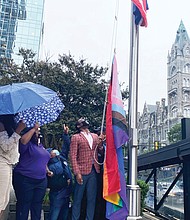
x: 114, y: 184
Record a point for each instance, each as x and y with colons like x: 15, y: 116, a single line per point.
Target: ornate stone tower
x: 157, y: 120
x: 179, y: 78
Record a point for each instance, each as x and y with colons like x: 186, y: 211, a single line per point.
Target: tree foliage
x: 80, y: 86
x: 144, y: 190
x: 174, y: 134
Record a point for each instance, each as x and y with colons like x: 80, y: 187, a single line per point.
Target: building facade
x: 179, y: 77
x: 153, y: 126
x: 21, y: 26
x: 156, y: 120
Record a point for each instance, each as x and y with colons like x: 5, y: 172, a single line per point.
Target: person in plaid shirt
x: 84, y: 150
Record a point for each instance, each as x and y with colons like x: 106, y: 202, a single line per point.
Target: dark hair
x: 33, y: 139
x: 82, y: 123
x: 9, y: 123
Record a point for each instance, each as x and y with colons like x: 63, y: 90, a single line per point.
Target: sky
x: 88, y: 29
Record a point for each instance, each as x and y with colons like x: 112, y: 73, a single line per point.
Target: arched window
x: 188, y: 51
x: 184, y: 81
x: 174, y: 112
x: 188, y: 113
x: 187, y: 68
x: 173, y: 70
x: 186, y: 97
x: 185, y: 112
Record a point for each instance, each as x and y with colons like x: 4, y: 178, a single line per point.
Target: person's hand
x: 20, y: 127
x: 65, y: 129
x: 68, y: 182
x: 36, y: 126
x: 49, y: 173
x: 79, y: 179
x: 101, y: 138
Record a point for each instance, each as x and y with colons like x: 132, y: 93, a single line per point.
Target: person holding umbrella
x: 9, y: 139
x: 31, y: 103
x: 29, y: 176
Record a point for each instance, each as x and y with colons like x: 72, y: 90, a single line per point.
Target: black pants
x: 29, y: 194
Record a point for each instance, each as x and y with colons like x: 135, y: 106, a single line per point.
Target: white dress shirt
x: 89, y: 138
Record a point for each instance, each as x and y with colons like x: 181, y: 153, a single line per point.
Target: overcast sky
x: 85, y: 29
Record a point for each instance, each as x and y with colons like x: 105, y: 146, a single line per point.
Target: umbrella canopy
x: 18, y: 97
x: 43, y: 114
x: 33, y: 103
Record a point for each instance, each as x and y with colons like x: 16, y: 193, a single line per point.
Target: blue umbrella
x: 33, y: 103
x: 17, y: 97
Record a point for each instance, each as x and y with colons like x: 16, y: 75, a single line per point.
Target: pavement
x: 150, y: 216
x: 5, y: 215
x: 11, y: 216
x: 9, y: 213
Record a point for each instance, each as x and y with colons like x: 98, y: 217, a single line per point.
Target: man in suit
x: 84, y: 150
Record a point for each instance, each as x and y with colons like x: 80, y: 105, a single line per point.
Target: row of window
x: 186, y: 69
x: 186, y: 112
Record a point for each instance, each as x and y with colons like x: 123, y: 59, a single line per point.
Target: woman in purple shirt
x: 29, y: 176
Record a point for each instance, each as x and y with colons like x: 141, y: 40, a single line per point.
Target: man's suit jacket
x: 82, y: 156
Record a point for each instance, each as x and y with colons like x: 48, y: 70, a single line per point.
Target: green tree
x: 174, y: 134
x: 48, y: 74
x: 80, y: 86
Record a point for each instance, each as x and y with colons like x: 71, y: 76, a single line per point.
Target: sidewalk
x: 150, y: 216
x: 6, y: 212
x: 9, y: 213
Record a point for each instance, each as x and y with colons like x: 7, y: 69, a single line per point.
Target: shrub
x: 144, y: 190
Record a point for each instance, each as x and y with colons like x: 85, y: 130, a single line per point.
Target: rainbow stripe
x: 114, y: 185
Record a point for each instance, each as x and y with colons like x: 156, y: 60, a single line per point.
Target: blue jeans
x: 90, y: 185
x: 29, y: 194
x: 58, y: 207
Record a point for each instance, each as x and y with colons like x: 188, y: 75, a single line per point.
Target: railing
x: 165, y: 196
x: 167, y: 171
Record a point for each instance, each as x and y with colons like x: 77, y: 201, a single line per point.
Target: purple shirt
x: 32, y: 161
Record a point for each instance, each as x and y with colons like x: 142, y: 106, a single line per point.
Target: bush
x: 46, y: 198
x: 144, y: 190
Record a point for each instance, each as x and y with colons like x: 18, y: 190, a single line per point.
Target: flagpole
x: 104, y: 112
x: 133, y: 190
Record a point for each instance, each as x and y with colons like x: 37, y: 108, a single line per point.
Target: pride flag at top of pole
x: 114, y: 185
x: 139, y: 11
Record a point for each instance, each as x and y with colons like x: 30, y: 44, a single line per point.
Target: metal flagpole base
x: 133, y: 218
x: 134, y: 200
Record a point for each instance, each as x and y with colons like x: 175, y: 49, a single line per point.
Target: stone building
x: 179, y: 77
x: 156, y: 120
x: 153, y: 126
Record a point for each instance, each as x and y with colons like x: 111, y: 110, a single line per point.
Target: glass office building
x: 21, y: 26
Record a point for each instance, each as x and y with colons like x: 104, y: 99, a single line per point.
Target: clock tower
x: 178, y: 79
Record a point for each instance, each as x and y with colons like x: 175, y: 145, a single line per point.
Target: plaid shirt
x: 82, y: 156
